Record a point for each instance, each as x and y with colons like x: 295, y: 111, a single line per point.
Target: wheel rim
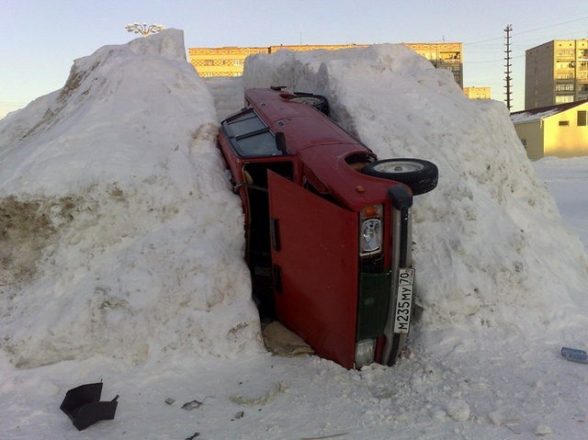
x: 398, y: 167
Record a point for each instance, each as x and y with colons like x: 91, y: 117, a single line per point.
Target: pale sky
x: 41, y: 38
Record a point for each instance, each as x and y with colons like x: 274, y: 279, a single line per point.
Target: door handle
x: 275, y: 234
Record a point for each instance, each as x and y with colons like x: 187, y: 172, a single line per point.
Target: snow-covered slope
x: 119, y: 234
x: 490, y: 247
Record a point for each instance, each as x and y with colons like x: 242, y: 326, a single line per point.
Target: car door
x: 315, y: 268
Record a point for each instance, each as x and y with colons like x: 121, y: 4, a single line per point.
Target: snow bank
x: 490, y: 247
x: 119, y: 235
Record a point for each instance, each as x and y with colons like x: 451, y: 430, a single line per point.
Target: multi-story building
x: 229, y: 61
x: 221, y: 61
x: 478, y: 92
x: 556, y: 72
x: 443, y: 56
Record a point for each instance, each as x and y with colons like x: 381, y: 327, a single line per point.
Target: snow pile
x: 490, y: 248
x: 119, y: 235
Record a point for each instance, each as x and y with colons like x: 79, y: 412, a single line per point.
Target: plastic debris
x: 189, y: 406
x: 574, y: 355
x: 238, y: 416
x: 82, y: 405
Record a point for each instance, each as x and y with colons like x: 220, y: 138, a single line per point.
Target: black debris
x: 189, y: 406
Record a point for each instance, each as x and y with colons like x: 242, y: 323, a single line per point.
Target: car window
x: 245, y: 123
x: 258, y: 144
x: 250, y: 136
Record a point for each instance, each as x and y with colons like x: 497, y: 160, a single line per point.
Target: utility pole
x: 508, y: 65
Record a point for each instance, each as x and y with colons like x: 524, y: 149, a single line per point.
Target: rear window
x: 250, y: 137
x: 245, y: 123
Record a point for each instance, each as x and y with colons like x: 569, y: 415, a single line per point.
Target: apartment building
x: 478, y: 92
x: 556, y: 72
x: 229, y: 61
x: 443, y: 56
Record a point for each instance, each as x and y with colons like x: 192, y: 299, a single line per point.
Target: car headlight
x: 370, y: 232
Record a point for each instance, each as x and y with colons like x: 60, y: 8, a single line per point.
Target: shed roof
x: 538, y: 113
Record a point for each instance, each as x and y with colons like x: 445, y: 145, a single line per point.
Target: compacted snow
x: 121, y: 260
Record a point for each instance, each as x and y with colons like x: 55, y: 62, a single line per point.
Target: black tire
x: 317, y: 101
x: 419, y: 175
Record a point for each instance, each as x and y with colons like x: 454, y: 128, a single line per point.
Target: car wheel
x: 317, y: 101
x: 419, y: 175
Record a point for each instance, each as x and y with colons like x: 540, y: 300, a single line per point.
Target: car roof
x: 303, y: 125
x: 321, y: 145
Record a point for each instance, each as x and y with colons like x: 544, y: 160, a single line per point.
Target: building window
x: 564, y: 123
x: 562, y: 99
x: 569, y: 87
x: 564, y: 65
x: 582, y: 118
x: 564, y: 53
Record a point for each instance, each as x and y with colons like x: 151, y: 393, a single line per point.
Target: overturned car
x: 328, y: 226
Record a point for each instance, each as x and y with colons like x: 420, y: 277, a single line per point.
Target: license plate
x: 404, y: 300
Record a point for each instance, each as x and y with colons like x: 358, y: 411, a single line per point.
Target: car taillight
x: 370, y: 231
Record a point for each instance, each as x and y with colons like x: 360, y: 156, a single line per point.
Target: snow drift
x: 119, y: 234
x: 490, y: 248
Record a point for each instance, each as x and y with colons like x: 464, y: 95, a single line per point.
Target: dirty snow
x: 111, y: 192
x: 121, y: 260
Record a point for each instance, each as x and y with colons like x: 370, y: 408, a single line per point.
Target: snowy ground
x: 566, y: 181
x: 116, y: 265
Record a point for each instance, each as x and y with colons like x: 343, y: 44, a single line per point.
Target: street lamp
x: 144, y: 29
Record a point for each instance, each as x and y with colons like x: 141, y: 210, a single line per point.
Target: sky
x: 41, y: 38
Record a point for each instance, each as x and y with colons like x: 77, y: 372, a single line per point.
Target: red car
x: 328, y: 226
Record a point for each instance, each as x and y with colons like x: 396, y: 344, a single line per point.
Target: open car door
x: 315, y: 268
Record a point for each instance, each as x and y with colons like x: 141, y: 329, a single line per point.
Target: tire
x: 317, y: 101
x: 419, y: 175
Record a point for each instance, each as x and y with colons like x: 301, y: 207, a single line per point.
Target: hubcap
x: 398, y: 167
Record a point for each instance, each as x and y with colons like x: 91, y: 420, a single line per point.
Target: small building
x: 478, y: 92
x: 557, y: 130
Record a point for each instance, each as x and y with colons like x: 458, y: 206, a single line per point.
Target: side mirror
x: 281, y: 142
